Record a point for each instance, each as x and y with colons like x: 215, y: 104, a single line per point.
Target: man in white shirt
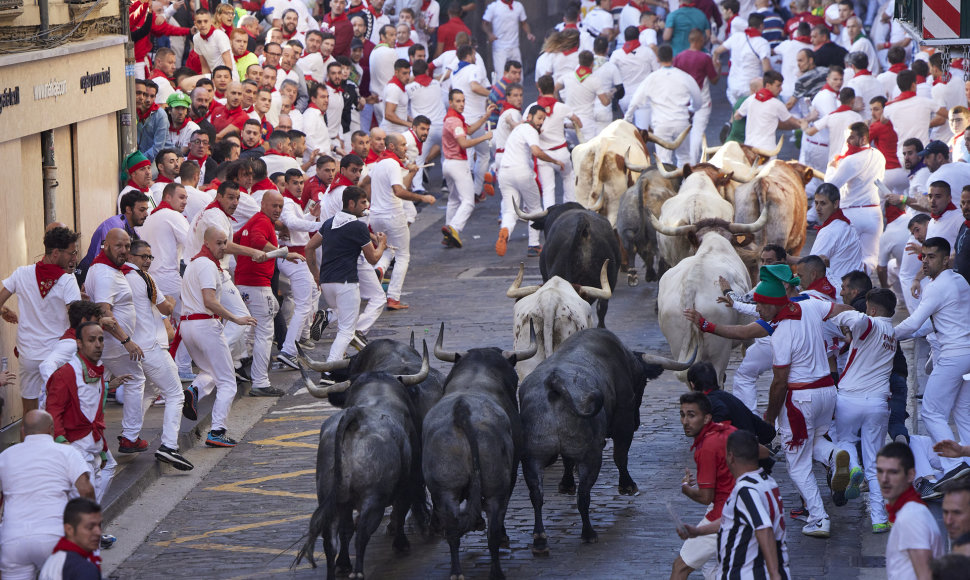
x: 468, y: 79
x: 212, y: 45
x: 315, y: 122
x: 789, y: 49
x: 945, y: 92
x: 167, y: 161
x: 278, y: 158
x: 815, y: 148
x: 836, y: 124
x: 915, y: 538
x: 837, y: 242
x: 279, y: 8
x: 518, y: 178
x: 750, y: 55
x: 381, y: 62
x: 396, y: 118
x: 766, y: 114
x: 501, y: 25
x: 552, y: 139
x: 860, y: 43
x: 599, y: 21
x: 866, y: 86
x: 37, y: 477
x: 670, y: 108
x: 936, y: 156
x: 855, y: 173
x: 634, y: 62
x: 424, y: 96
x: 582, y: 91
x: 912, y: 115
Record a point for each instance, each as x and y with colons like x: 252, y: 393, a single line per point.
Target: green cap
x: 178, y: 99
x: 771, y: 289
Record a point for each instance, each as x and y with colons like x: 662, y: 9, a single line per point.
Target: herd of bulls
x: 404, y: 431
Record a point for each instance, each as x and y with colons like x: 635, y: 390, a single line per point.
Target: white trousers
x: 478, y: 159
x: 757, y: 360
x: 172, y: 286
x: 500, y: 56
x: 207, y: 346
x: 735, y: 93
x: 547, y: 177
x: 372, y: 291
x: 867, y: 222
x: 399, y: 238
x: 302, y: 290
x: 22, y: 557
x: 867, y: 417
x: 927, y: 461
x: 948, y: 394
x: 100, y: 476
x: 263, y: 307
x: 160, y: 371
x: 461, y: 192
x: 817, y: 406
x: 669, y: 132
x: 522, y: 187
x: 239, y: 338
x: 31, y: 383
x: 344, y: 298
x: 813, y: 154
x: 702, y: 118
x: 133, y: 415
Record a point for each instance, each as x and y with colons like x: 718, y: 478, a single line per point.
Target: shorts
x: 698, y: 551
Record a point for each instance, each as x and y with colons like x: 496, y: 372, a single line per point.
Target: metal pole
x: 47, y: 139
x: 127, y: 116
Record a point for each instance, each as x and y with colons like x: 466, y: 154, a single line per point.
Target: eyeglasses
x: 144, y: 256
x: 274, y: 54
x: 199, y: 142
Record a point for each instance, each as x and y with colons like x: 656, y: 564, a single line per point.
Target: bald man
x: 37, y: 478
x: 253, y: 280
x: 229, y: 118
x: 201, y: 331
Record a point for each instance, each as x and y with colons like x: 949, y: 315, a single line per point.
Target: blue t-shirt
x: 682, y: 21
x: 341, y: 248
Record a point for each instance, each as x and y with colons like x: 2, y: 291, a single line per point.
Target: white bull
x: 602, y: 175
x: 698, y: 199
x: 556, y: 310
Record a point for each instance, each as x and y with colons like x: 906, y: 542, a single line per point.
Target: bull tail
x: 463, y: 421
x: 580, y: 237
x: 548, y: 334
x: 556, y: 385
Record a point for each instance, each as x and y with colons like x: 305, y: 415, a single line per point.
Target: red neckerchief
x: 849, y: 149
x: 313, y: 105
x: 907, y: 496
x: 790, y: 311
x: 47, y: 276
x: 162, y: 179
x: 508, y: 3
x: 388, y: 154
x: 937, y: 216
x: 631, y: 45
x: 157, y: 74
x: 69, y: 334
x: 92, y: 373
x: 397, y: 82
x: 826, y: 87
x: 200, y: 160
x: 570, y: 26
x: 161, y: 206
x: 360, y: 7
x: 65, y: 545
x: 336, y: 88
x: 418, y: 143
x: 570, y: 51
x: 176, y: 130
x: 334, y: 19
x: 102, y: 258
x: 288, y: 37
x: 249, y: 110
x: 286, y: 193
x: 942, y: 79
x: 583, y: 72
x: 340, y: 181
x: 264, y: 185
x: 711, y: 428
x: 752, y: 32
x: 836, y: 215
x: 863, y: 72
x: 205, y: 253
x: 805, y: 39
x: 824, y: 286
x: 265, y: 127
x: 425, y: 4
x: 212, y: 29
x: 547, y: 102
x: 455, y: 114
x: 842, y: 109
x: 275, y: 152
x: 898, y: 67
x: 920, y: 79
x: 144, y: 116
x: 215, y: 204
x: 227, y: 28
x: 407, y: 44
x: 902, y: 97
x: 131, y: 183
x: 243, y: 55
x: 373, y: 156
x: 764, y: 95
x: 423, y: 80
x: 506, y: 106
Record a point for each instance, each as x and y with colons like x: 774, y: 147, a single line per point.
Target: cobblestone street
x: 245, y: 518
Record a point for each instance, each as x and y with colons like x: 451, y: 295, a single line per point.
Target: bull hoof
x: 567, y: 488
x: 456, y: 577
x: 343, y: 568
x: 480, y: 525
x: 504, y: 543
x: 356, y: 576
x: 540, y: 545
x: 590, y: 537
x: 632, y: 279
x: 402, y: 545
x: 631, y: 489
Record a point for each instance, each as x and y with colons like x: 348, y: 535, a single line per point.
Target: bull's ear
x: 687, y: 170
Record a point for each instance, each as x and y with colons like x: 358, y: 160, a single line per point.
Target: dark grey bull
x: 366, y: 461
x: 471, y: 440
x: 587, y: 391
x: 578, y: 241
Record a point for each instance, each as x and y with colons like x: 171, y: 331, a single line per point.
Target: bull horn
x: 601, y: 201
x: 515, y: 291
x: 442, y: 354
x: 739, y: 178
x: 758, y: 224
x: 321, y: 367
x: 769, y: 154
x: 704, y: 149
x: 679, y: 172
x: 529, y: 352
x: 633, y: 166
x: 603, y: 292
x: 669, y: 364
x: 667, y: 144
x: 711, y: 150
x: 528, y: 216
x: 409, y: 380
x: 316, y: 390
x: 818, y: 174
x: 670, y: 230
x: 412, y: 339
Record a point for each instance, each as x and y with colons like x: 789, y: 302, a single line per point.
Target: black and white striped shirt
x: 755, y: 503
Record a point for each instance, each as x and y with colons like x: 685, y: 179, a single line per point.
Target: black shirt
x: 830, y: 54
x: 341, y: 248
x: 962, y: 248
x: 727, y: 407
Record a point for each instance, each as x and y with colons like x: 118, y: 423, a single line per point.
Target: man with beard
x: 251, y: 140
x: 152, y: 121
x: 961, y: 247
x: 340, y: 27
x: 231, y: 117
x: 180, y: 127
x: 168, y: 162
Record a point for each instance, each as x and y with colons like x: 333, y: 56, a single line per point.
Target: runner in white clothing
x: 552, y: 139
x: 583, y: 90
x: 836, y: 124
x: 396, y: 118
x: 634, y: 62
x: 468, y: 79
x: 766, y: 114
x: 750, y: 55
x: 212, y: 45
x: 837, y: 242
x: 865, y: 85
x: 912, y: 115
x: 501, y: 23
x: 670, y: 108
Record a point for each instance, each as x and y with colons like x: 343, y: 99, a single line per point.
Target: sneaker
x: 219, y: 439
x: 242, y: 373
x: 380, y: 274
x: 856, y: 477
x: 327, y: 380
x: 173, y: 458
x: 451, y: 236
x: 359, y: 341
x: 186, y: 376
x: 307, y: 343
x: 927, y: 489
x: 958, y: 471
x: 266, y: 392
x: 480, y: 197
x: 799, y: 513
x: 534, y: 251
x: 107, y: 541
x: 881, y: 528
x: 289, y: 360
x: 488, y: 186
x: 128, y: 446
x: 320, y: 321
x: 818, y: 529
x: 503, y: 241
x: 840, y: 472
x: 190, y: 407
x: 159, y: 401
x: 393, y: 304
x: 901, y: 439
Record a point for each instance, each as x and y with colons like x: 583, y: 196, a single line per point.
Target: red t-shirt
x: 697, y: 64
x: 255, y: 233
x: 792, y: 25
x: 312, y: 189
x: 221, y: 117
x: 712, y: 470
x: 883, y: 137
x: 448, y: 31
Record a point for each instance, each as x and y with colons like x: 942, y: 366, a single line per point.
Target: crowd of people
x: 283, y: 153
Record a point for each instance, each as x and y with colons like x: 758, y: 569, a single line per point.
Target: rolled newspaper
x: 278, y: 253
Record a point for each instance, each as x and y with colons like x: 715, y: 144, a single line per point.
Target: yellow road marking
x: 284, y: 440
x: 238, y: 486
x: 267, y: 573
x: 297, y: 418
x: 231, y: 530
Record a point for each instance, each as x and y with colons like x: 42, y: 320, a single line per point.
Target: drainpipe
x: 127, y: 116
x: 47, y: 139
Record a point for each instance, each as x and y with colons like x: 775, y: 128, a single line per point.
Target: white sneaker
x: 818, y: 529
